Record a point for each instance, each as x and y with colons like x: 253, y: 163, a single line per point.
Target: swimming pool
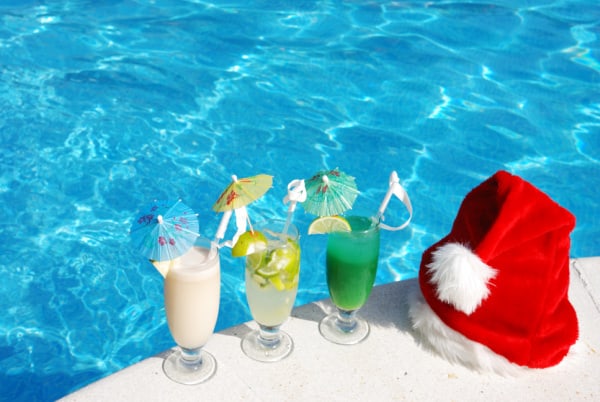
x: 109, y: 104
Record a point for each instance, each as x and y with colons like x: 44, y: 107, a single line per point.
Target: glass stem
x: 346, y: 320
x: 191, y: 357
x: 269, y: 336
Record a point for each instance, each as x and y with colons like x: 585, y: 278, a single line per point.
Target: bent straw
x: 214, y: 244
x: 296, y: 193
x: 398, y: 191
x: 241, y: 217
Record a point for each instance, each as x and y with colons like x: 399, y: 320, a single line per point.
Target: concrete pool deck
x: 388, y: 365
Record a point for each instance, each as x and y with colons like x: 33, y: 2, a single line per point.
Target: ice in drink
x: 272, y: 281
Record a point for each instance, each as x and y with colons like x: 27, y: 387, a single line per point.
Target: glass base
x: 189, y: 372
x: 267, y: 350
x: 344, y: 332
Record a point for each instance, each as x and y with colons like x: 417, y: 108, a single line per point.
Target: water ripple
x: 106, y: 105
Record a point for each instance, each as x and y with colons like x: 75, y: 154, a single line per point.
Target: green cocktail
x: 352, y: 263
x: 351, y: 268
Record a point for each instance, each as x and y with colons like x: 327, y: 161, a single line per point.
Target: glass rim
x: 206, y: 243
x: 203, y: 240
x: 374, y: 225
x: 293, y: 231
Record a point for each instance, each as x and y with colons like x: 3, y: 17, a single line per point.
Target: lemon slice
x: 249, y: 243
x: 164, y: 266
x: 328, y: 224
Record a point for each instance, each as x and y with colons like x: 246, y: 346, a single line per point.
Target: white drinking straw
x: 241, y: 218
x: 398, y: 191
x: 296, y: 193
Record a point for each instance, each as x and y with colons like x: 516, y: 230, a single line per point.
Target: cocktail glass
x: 271, y: 286
x: 351, y: 269
x: 192, y: 290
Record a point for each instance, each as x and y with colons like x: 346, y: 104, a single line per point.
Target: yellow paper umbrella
x: 238, y: 194
x: 241, y: 192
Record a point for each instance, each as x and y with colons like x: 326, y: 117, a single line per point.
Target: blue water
x: 105, y: 105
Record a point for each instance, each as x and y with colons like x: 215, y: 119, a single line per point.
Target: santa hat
x: 493, y: 292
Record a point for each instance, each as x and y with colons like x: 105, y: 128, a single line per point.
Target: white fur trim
x: 460, y: 277
x: 454, y: 346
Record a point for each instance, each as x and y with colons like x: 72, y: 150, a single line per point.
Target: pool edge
x: 388, y: 365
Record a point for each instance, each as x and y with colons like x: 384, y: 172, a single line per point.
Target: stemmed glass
x: 351, y: 268
x: 271, y: 285
x: 192, y: 291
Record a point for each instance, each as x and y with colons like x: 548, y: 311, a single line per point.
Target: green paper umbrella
x: 329, y: 192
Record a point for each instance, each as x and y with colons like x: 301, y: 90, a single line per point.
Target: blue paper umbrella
x: 165, y: 230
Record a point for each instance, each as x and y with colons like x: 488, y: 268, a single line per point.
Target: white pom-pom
x: 460, y: 277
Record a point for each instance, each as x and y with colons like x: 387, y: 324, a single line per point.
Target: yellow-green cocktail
x: 272, y: 282
x: 272, y: 276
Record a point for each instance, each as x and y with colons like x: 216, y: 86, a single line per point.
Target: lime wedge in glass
x: 255, y: 261
x: 277, y: 282
x: 328, y: 224
x: 249, y: 242
x: 267, y: 271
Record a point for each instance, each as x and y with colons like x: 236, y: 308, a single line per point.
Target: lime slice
x: 328, y: 224
x: 284, y: 258
x: 267, y: 271
x: 255, y: 260
x: 277, y: 282
x: 249, y: 243
x: 164, y: 266
x: 278, y: 267
x: 290, y: 284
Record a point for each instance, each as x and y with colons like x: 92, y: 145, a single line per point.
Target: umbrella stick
x: 249, y: 223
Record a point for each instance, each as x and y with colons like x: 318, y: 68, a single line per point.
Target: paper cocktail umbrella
x: 165, y: 230
x: 329, y: 192
x: 235, y: 197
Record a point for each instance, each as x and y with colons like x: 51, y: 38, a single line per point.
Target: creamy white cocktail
x: 192, y: 291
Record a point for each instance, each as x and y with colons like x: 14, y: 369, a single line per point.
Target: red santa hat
x: 493, y: 292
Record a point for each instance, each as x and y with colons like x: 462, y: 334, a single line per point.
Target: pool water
x: 106, y: 105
